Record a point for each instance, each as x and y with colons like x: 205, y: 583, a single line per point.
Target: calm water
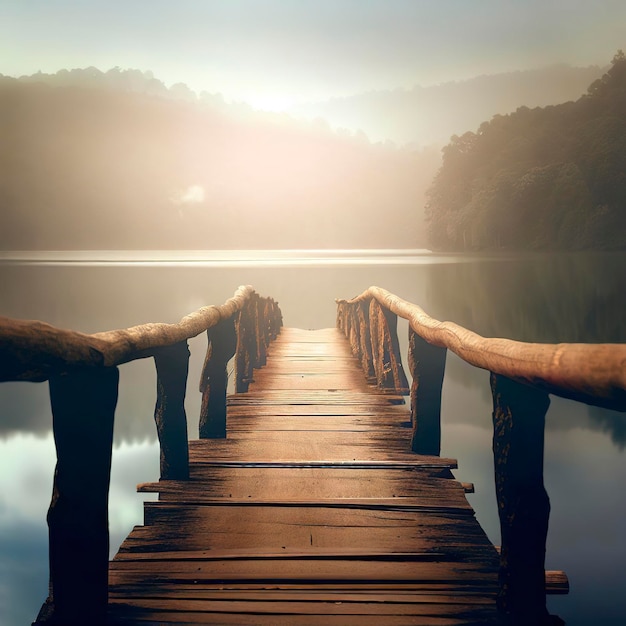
x: 567, y: 298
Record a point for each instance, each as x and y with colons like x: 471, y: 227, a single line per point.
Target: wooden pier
x: 313, y: 511
x: 314, y: 495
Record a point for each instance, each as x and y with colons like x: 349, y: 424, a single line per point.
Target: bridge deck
x: 313, y: 511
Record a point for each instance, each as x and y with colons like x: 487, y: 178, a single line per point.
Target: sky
x: 275, y: 53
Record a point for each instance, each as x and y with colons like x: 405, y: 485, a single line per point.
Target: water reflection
x: 541, y: 298
x: 26, y: 471
x: 547, y: 298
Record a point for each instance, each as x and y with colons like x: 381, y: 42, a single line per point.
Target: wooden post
x: 375, y: 338
x: 427, y: 364
x: 214, y: 379
x: 354, y: 332
x: 277, y: 319
x: 523, y: 505
x: 267, y: 322
x: 259, y: 332
x: 366, y: 341
x: 343, y: 317
x: 386, y: 350
x: 172, y: 365
x: 83, y: 407
x: 339, y: 317
x: 246, y: 349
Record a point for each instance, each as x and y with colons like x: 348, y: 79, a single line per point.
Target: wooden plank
x: 301, y: 447
x: 372, y: 504
x: 329, y: 396
x: 303, y: 569
x: 317, y: 554
x: 292, y: 619
x: 312, y: 594
x: 316, y: 482
x: 246, y: 423
x: 309, y: 382
x: 381, y: 609
x: 380, y: 413
x: 557, y: 582
x: 147, y: 589
x: 171, y: 527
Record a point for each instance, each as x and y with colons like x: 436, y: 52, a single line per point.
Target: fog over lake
x: 543, y: 298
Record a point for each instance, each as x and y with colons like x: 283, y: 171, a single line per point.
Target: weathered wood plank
x: 255, y: 619
x: 290, y: 607
x: 313, y: 510
x: 302, y: 447
x: 172, y: 527
x: 340, y: 569
x: 319, y: 482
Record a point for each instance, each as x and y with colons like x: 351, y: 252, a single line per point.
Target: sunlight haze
x: 273, y: 53
x: 468, y: 156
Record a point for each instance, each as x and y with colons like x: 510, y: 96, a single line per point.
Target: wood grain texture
x: 591, y: 373
x: 33, y: 350
x: 83, y: 406
x: 313, y: 510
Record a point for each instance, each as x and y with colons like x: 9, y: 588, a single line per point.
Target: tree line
x: 115, y: 160
x: 551, y: 178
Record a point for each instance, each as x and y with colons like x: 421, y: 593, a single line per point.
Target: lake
x: 543, y: 298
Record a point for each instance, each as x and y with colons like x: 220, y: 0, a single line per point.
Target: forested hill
x: 550, y: 178
x: 427, y: 115
x: 114, y: 160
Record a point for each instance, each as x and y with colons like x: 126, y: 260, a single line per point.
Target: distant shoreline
x: 216, y: 257
x: 258, y: 258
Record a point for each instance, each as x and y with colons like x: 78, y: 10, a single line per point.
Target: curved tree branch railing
x: 522, y: 376
x: 83, y: 376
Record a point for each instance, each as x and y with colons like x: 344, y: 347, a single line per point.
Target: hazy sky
x: 272, y: 52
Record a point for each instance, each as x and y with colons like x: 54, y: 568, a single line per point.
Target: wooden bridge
x: 314, y: 495
x: 312, y: 511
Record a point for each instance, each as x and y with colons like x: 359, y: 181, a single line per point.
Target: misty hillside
x: 550, y: 178
x: 431, y: 115
x: 116, y: 161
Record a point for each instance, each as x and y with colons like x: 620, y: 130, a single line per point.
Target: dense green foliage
x: 542, y: 179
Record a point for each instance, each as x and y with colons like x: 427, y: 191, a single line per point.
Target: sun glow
x: 273, y: 102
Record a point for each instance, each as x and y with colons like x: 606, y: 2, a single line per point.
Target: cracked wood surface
x: 312, y: 511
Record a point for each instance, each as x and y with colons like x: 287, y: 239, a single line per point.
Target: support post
x: 367, y: 362
x: 353, y: 331
x: 386, y: 350
x: 172, y: 365
x: 259, y: 333
x: 339, y: 316
x: 267, y: 322
x: 246, y: 349
x: 214, y: 379
x: 277, y: 319
x: 523, y: 505
x: 83, y: 408
x: 427, y: 364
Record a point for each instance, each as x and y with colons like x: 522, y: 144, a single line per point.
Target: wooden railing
x: 522, y: 376
x: 83, y: 378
